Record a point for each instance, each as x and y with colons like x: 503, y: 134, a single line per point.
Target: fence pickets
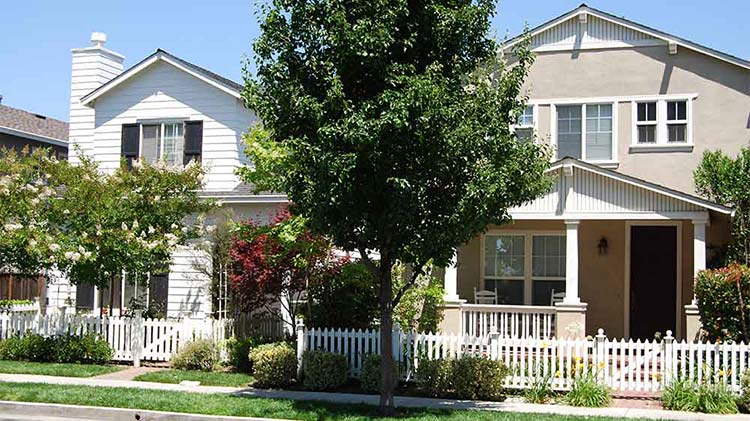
x: 623, y: 365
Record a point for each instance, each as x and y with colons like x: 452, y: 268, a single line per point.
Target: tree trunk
x: 387, y: 407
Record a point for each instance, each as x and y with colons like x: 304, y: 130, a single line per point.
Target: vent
x: 40, y: 116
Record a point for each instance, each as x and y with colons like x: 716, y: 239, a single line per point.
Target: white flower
x: 135, y: 225
x: 87, y: 254
x: 137, y: 163
x: 65, y: 212
x: 157, y: 198
x: 124, y: 226
x: 12, y: 227
x: 68, y: 254
x: 184, y: 230
x: 151, y: 229
x: 174, y: 226
x: 32, y: 242
x: 210, y: 229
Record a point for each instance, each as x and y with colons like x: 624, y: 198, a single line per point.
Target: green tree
x: 726, y: 180
x: 387, y: 123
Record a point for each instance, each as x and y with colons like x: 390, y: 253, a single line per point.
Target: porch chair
x: 485, y: 296
x: 556, y: 297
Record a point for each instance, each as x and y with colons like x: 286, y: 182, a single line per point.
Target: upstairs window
x: 662, y: 123
x: 165, y: 141
x: 524, y: 127
x: 590, y: 138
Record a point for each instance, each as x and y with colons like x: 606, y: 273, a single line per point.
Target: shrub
x: 478, y: 378
x: 724, y: 302
x: 587, y: 391
x: 274, y: 365
x: 352, y: 292
x: 744, y: 399
x: 685, y: 395
x: 371, y: 376
x: 324, y: 370
x: 201, y: 354
x: 435, y: 377
x: 239, y: 351
x: 540, y: 390
x: 89, y: 349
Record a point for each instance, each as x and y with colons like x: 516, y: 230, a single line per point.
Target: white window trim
x: 607, y: 163
x: 662, y: 144
x: 162, y: 123
x: 534, y: 126
x: 527, y: 278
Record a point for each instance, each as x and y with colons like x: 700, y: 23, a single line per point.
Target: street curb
x: 114, y: 414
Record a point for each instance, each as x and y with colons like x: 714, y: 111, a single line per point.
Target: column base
x: 693, y: 323
x: 570, y: 320
x: 452, y: 322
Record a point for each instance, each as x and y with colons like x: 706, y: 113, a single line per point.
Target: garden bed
x: 57, y: 369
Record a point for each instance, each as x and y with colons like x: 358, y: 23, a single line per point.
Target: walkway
x: 347, y: 398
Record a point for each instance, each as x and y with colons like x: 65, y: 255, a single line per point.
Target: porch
x: 601, y: 250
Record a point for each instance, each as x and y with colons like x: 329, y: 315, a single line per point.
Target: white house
x: 162, y: 106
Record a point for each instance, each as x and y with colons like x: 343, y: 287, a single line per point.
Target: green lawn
x: 215, y: 378
x: 56, y: 369
x: 228, y: 405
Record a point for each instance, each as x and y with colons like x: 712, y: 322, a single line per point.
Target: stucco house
x: 160, y: 107
x: 629, y: 111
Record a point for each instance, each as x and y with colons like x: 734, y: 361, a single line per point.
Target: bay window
x: 591, y: 137
x: 524, y: 268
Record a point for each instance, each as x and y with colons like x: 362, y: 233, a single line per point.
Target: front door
x: 653, y: 280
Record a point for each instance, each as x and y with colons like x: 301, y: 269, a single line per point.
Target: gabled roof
x: 569, y: 162
x: 633, y: 26
x: 229, y: 86
x: 33, y: 126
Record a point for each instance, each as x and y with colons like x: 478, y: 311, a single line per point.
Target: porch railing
x: 508, y: 320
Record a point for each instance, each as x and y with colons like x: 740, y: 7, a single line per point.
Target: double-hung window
x: 662, y: 122
x: 163, y: 141
x: 173, y: 142
x: 524, y: 127
x: 524, y: 268
x: 585, y: 131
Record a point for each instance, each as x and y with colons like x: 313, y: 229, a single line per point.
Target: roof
x: 245, y: 193
x: 34, y: 126
x: 637, y: 182
x: 229, y: 86
x: 682, y: 42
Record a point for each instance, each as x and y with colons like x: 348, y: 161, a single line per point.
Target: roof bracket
x: 568, y: 170
x: 583, y: 17
x: 672, y: 48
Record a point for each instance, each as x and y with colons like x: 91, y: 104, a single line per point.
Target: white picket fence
x: 623, y: 365
x: 158, y: 339
x: 508, y: 320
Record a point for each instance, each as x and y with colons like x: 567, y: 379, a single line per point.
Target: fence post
x: 396, y: 343
x: 600, y: 354
x: 494, y: 337
x: 136, y: 337
x: 666, y: 369
x: 300, y: 345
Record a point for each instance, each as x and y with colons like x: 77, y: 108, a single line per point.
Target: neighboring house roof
x: 245, y: 193
x: 569, y: 162
x: 33, y: 126
x: 634, y: 26
x: 229, y: 86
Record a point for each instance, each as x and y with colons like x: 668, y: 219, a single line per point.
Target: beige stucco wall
x: 601, y: 277
x: 721, y: 113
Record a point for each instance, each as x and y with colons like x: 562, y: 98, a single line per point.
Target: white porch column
x: 450, y: 281
x: 96, y: 305
x: 692, y: 316
x: 571, y: 262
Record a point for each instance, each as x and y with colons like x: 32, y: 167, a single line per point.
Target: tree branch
x: 410, y: 283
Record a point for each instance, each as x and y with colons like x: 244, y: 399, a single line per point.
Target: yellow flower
x: 579, y: 359
x: 544, y: 344
x: 558, y: 374
x: 601, y: 365
x: 721, y: 373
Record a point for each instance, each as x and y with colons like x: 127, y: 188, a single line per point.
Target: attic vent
x: 40, y: 116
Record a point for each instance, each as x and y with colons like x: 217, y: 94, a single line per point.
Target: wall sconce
x: 602, y: 246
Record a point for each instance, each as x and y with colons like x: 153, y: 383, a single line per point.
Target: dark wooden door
x: 653, y: 277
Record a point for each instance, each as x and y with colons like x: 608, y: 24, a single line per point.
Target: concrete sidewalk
x: 401, y: 401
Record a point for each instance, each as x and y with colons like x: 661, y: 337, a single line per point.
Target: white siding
x: 162, y: 91
x: 91, y: 68
x: 189, y: 283
x: 595, y: 32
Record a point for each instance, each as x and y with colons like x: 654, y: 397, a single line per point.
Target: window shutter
x: 193, y: 141
x: 130, y: 140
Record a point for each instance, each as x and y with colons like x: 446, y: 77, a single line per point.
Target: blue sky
x: 38, y: 35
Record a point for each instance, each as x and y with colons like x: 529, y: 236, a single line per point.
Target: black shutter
x: 130, y: 140
x: 193, y: 141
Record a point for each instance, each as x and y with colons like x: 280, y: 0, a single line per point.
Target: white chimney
x: 92, y: 67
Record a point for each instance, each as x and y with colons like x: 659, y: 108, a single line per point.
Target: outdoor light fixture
x: 602, y: 246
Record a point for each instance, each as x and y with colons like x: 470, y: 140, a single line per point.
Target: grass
x: 214, y: 378
x: 230, y: 405
x: 56, y: 369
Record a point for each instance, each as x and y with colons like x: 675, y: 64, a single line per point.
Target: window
x: 646, y: 122
x: 547, y: 267
x: 164, y: 141
x: 677, y: 121
x: 524, y: 268
x: 590, y: 138
x: 524, y: 127
x: 504, y: 267
x: 662, y: 122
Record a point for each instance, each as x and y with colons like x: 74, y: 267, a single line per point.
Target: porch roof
x: 586, y: 191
